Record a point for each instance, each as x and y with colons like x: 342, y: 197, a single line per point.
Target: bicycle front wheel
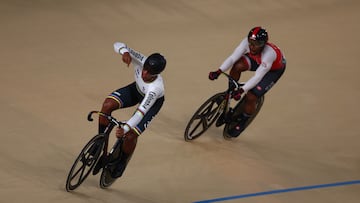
x: 205, y: 116
x: 85, y: 162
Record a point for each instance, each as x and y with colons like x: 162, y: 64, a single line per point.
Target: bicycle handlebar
x: 237, y: 85
x: 110, y: 118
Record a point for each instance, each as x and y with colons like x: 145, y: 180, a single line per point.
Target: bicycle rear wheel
x: 85, y: 162
x: 205, y: 116
x: 106, y: 179
x: 239, y: 109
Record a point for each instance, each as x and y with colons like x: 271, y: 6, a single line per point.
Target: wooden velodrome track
x: 57, y: 64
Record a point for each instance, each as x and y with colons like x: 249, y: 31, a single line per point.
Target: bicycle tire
x: 205, y: 116
x: 239, y: 108
x: 88, y: 159
x: 106, y: 178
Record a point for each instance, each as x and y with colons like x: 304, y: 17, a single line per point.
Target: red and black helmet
x: 258, y: 34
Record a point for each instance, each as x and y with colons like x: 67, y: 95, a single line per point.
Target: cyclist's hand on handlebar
x: 119, y: 132
x: 237, y: 94
x: 214, y: 74
x: 126, y: 58
x: 232, y: 85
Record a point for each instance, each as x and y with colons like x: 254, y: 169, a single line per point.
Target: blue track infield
x: 311, y: 187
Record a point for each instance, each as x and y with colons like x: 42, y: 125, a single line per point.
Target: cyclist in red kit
x: 254, y: 53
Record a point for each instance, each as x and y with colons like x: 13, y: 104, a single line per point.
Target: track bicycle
x: 218, y: 109
x: 95, y: 156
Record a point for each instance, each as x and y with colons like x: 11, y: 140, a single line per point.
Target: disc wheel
x: 105, y: 179
x: 85, y: 162
x: 205, y: 116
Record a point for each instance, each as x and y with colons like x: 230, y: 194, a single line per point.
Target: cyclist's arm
x: 238, y: 52
x: 268, y: 58
x: 148, y: 101
x: 121, y: 48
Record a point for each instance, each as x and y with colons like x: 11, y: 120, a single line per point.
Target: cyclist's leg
x: 268, y: 81
x: 130, y: 140
x: 129, y: 143
x: 241, y: 65
x: 252, y: 96
x: 108, y: 106
x: 249, y: 109
x: 127, y: 149
x: 121, y: 98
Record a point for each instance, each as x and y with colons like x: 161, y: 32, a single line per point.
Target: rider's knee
x: 109, y: 105
x: 251, y: 97
x: 130, y: 142
x: 240, y: 65
x: 131, y: 136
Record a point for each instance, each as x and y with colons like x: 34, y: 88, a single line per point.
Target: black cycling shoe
x: 119, y: 170
x: 239, y: 127
x: 236, y: 130
x: 120, y: 166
